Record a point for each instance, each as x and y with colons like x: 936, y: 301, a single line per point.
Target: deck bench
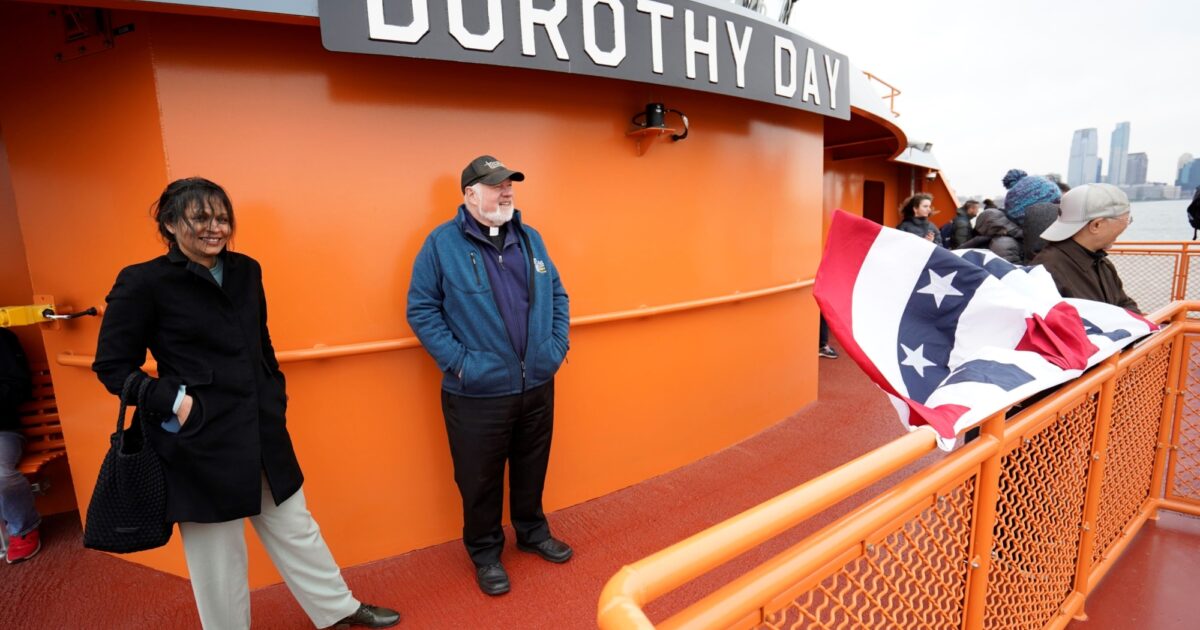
x: 44, y: 441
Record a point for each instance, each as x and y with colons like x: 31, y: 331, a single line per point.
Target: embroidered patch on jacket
x: 539, y: 266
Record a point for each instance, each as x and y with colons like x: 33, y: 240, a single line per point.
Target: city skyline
x: 988, y: 104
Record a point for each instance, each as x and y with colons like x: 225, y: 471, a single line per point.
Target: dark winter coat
x: 998, y: 233
x: 1079, y: 273
x: 921, y: 226
x: 15, y: 383
x: 961, y: 229
x: 213, y: 339
x: 1038, y: 217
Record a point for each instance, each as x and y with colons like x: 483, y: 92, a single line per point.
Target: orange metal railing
x: 890, y: 97
x: 1010, y: 531
x: 1145, y: 266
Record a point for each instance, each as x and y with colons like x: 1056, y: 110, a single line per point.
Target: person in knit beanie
x: 1024, y: 190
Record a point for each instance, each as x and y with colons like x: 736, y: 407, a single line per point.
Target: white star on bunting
x: 940, y: 286
x: 916, y: 359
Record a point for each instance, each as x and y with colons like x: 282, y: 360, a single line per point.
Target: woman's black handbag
x: 128, y: 510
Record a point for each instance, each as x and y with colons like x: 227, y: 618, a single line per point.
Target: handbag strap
x: 143, y: 384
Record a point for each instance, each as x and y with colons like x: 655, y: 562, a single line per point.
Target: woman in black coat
x: 916, y: 210
x: 218, y: 412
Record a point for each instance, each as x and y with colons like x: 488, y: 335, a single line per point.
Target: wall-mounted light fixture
x: 650, y: 125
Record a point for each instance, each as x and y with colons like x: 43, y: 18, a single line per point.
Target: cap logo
x: 494, y: 164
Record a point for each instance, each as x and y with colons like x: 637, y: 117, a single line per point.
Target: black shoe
x: 369, y: 616
x: 492, y: 578
x: 551, y: 549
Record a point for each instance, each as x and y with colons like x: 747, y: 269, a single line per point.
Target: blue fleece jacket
x: 453, y: 312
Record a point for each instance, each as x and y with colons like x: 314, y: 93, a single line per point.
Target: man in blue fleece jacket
x: 487, y: 304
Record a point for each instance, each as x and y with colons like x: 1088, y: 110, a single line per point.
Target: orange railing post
x: 1181, y: 277
x: 1095, y: 481
x: 986, y: 497
x: 1169, y: 412
x: 1172, y: 444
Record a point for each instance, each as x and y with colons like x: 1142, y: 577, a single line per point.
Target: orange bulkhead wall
x: 339, y: 165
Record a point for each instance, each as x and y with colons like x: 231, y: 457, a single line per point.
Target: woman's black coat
x: 213, y: 339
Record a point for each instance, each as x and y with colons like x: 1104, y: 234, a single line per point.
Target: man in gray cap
x: 1090, y: 218
x: 487, y: 304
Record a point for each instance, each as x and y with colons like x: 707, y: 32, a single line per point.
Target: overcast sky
x: 1000, y: 85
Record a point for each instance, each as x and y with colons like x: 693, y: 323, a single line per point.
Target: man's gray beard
x: 502, y: 215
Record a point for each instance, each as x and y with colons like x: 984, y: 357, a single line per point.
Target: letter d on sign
x: 788, y: 89
x: 411, y: 34
x: 485, y: 41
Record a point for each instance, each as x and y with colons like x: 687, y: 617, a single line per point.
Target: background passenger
x: 961, y: 228
x: 1038, y: 217
x: 994, y: 231
x: 1093, y: 216
x: 1024, y: 190
x: 16, y: 496
x: 916, y: 210
x: 224, y: 442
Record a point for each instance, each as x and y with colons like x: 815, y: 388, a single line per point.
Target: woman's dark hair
x: 908, y: 208
x: 988, y: 203
x: 188, y: 195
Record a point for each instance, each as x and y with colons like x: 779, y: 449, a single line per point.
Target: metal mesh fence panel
x: 1138, y: 400
x: 1038, y: 521
x: 1148, y: 278
x: 1192, y: 290
x: 1186, y: 459
x: 916, y: 577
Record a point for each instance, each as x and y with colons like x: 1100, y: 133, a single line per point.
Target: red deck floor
x: 69, y: 587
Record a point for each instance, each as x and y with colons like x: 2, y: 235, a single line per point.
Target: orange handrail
x: 1087, y: 408
x: 668, y: 569
x: 322, y: 351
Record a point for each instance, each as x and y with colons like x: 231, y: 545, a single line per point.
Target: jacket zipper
x: 500, y: 259
x: 475, y: 266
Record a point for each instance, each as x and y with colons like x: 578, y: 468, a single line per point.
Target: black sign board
x: 695, y: 44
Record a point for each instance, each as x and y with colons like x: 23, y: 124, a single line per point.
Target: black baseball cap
x: 490, y: 171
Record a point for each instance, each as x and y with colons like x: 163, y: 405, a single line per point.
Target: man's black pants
x: 484, y: 434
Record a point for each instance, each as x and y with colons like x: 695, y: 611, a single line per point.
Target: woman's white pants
x: 217, y: 563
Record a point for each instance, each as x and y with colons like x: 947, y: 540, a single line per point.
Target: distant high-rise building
x: 1118, y: 150
x: 1183, y: 159
x: 1135, y: 169
x: 1189, y: 175
x: 1084, y: 167
x: 1099, y: 169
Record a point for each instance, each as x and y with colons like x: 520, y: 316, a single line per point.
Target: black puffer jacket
x: 998, y: 233
x: 920, y: 226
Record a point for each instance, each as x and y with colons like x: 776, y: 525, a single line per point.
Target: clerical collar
x: 495, y: 235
